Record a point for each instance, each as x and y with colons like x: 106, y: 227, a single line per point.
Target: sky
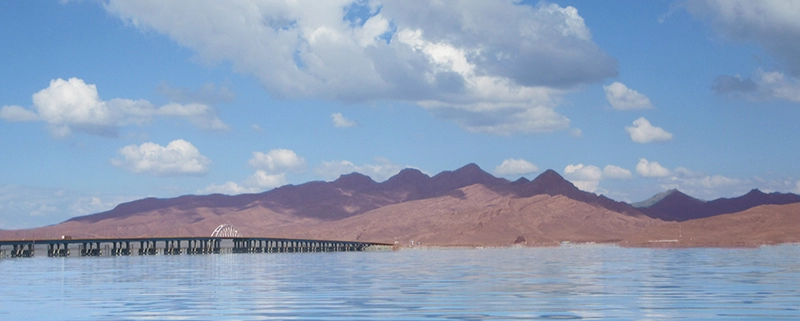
x: 110, y: 101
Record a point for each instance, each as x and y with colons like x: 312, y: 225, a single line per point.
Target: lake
x: 577, y: 282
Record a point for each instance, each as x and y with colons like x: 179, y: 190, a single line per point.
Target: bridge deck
x: 177, y: 245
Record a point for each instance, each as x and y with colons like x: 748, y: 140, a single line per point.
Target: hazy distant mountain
x: 673, y: 205
x: 654, y: 199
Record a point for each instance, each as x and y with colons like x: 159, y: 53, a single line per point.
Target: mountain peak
x: 354, y: 181
x: 550, y: 180
x: 549, y: 176
x: 407, y: 176
x: 470, y: 168
x: 675, y: 194
x: 755, y: 191
x: 654, y: 199
x: 471, y: 174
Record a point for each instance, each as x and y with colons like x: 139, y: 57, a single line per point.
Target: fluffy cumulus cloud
x: 270, y: 168
x: 643, y: 132
x: 498, y: 67
x: 68, y: 106
x: 585, y: 177
x: 261, y: 180
x: 178, y: 158
x: 588, y: 177
x: 342, y: 122
x: 382, y: 170
x: 616, y: 172
x: 228, y: 188
x: 513, y: 167
x: 647, y: 168
x: 277, y: 160
x: 623, y: 98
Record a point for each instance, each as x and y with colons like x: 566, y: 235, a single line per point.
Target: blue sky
x: 109, y: 101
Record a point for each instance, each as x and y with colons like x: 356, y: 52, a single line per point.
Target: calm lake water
x: 582, y: 282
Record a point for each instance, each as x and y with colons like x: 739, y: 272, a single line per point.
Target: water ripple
x: 575, y: 283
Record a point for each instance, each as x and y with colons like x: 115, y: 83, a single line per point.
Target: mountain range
x: 467, y: 206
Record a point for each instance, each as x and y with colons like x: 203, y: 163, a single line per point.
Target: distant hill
x: 464, y: 206
x: 765, y: 224
x: 676, y: 206
x: 477, y: 215
x: 355, y: 194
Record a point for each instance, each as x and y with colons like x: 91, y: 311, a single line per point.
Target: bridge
x: 224, y: 239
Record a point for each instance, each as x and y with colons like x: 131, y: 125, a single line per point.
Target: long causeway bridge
x: 221, y: 241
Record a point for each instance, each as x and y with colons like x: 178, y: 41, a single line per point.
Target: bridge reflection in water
x: 225, y: 239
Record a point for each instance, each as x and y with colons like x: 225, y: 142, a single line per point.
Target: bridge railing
x: 177, y: 246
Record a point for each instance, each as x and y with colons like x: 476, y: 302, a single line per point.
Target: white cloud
x: 271, y: 169
x: 796, y: 189
x: 705, y: 186
x: 342, y: 122
x: 623, y: 98
x: 773, y: 24
x: 647, y: 168
x: 200, y: 115
x: 616, y: 172
x: 261, y: 180
x: 72, y: 105
x: 17, y: 113
x: 228, y: 188
x: 588, y: 186
x: 588, y: 177
x: 767, y: 86
x: 179, y: 157
x: 495, y: 67
x: 583, y: 172
x: 585, y: 177
x: 643, y: 132
x: 277, y: 160
x: 504, y: 121
x: 777, y: 86
x: 511, y: 167
x: 381, y: 171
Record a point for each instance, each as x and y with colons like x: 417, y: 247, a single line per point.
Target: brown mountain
x: 355, y: 194
x: 765, y: 224
x: 676, y: 206
x: 478, y: 215
x: 551, y: 183
x: 473, y: 215
x: 465, y: 206
x: 282, y: 210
